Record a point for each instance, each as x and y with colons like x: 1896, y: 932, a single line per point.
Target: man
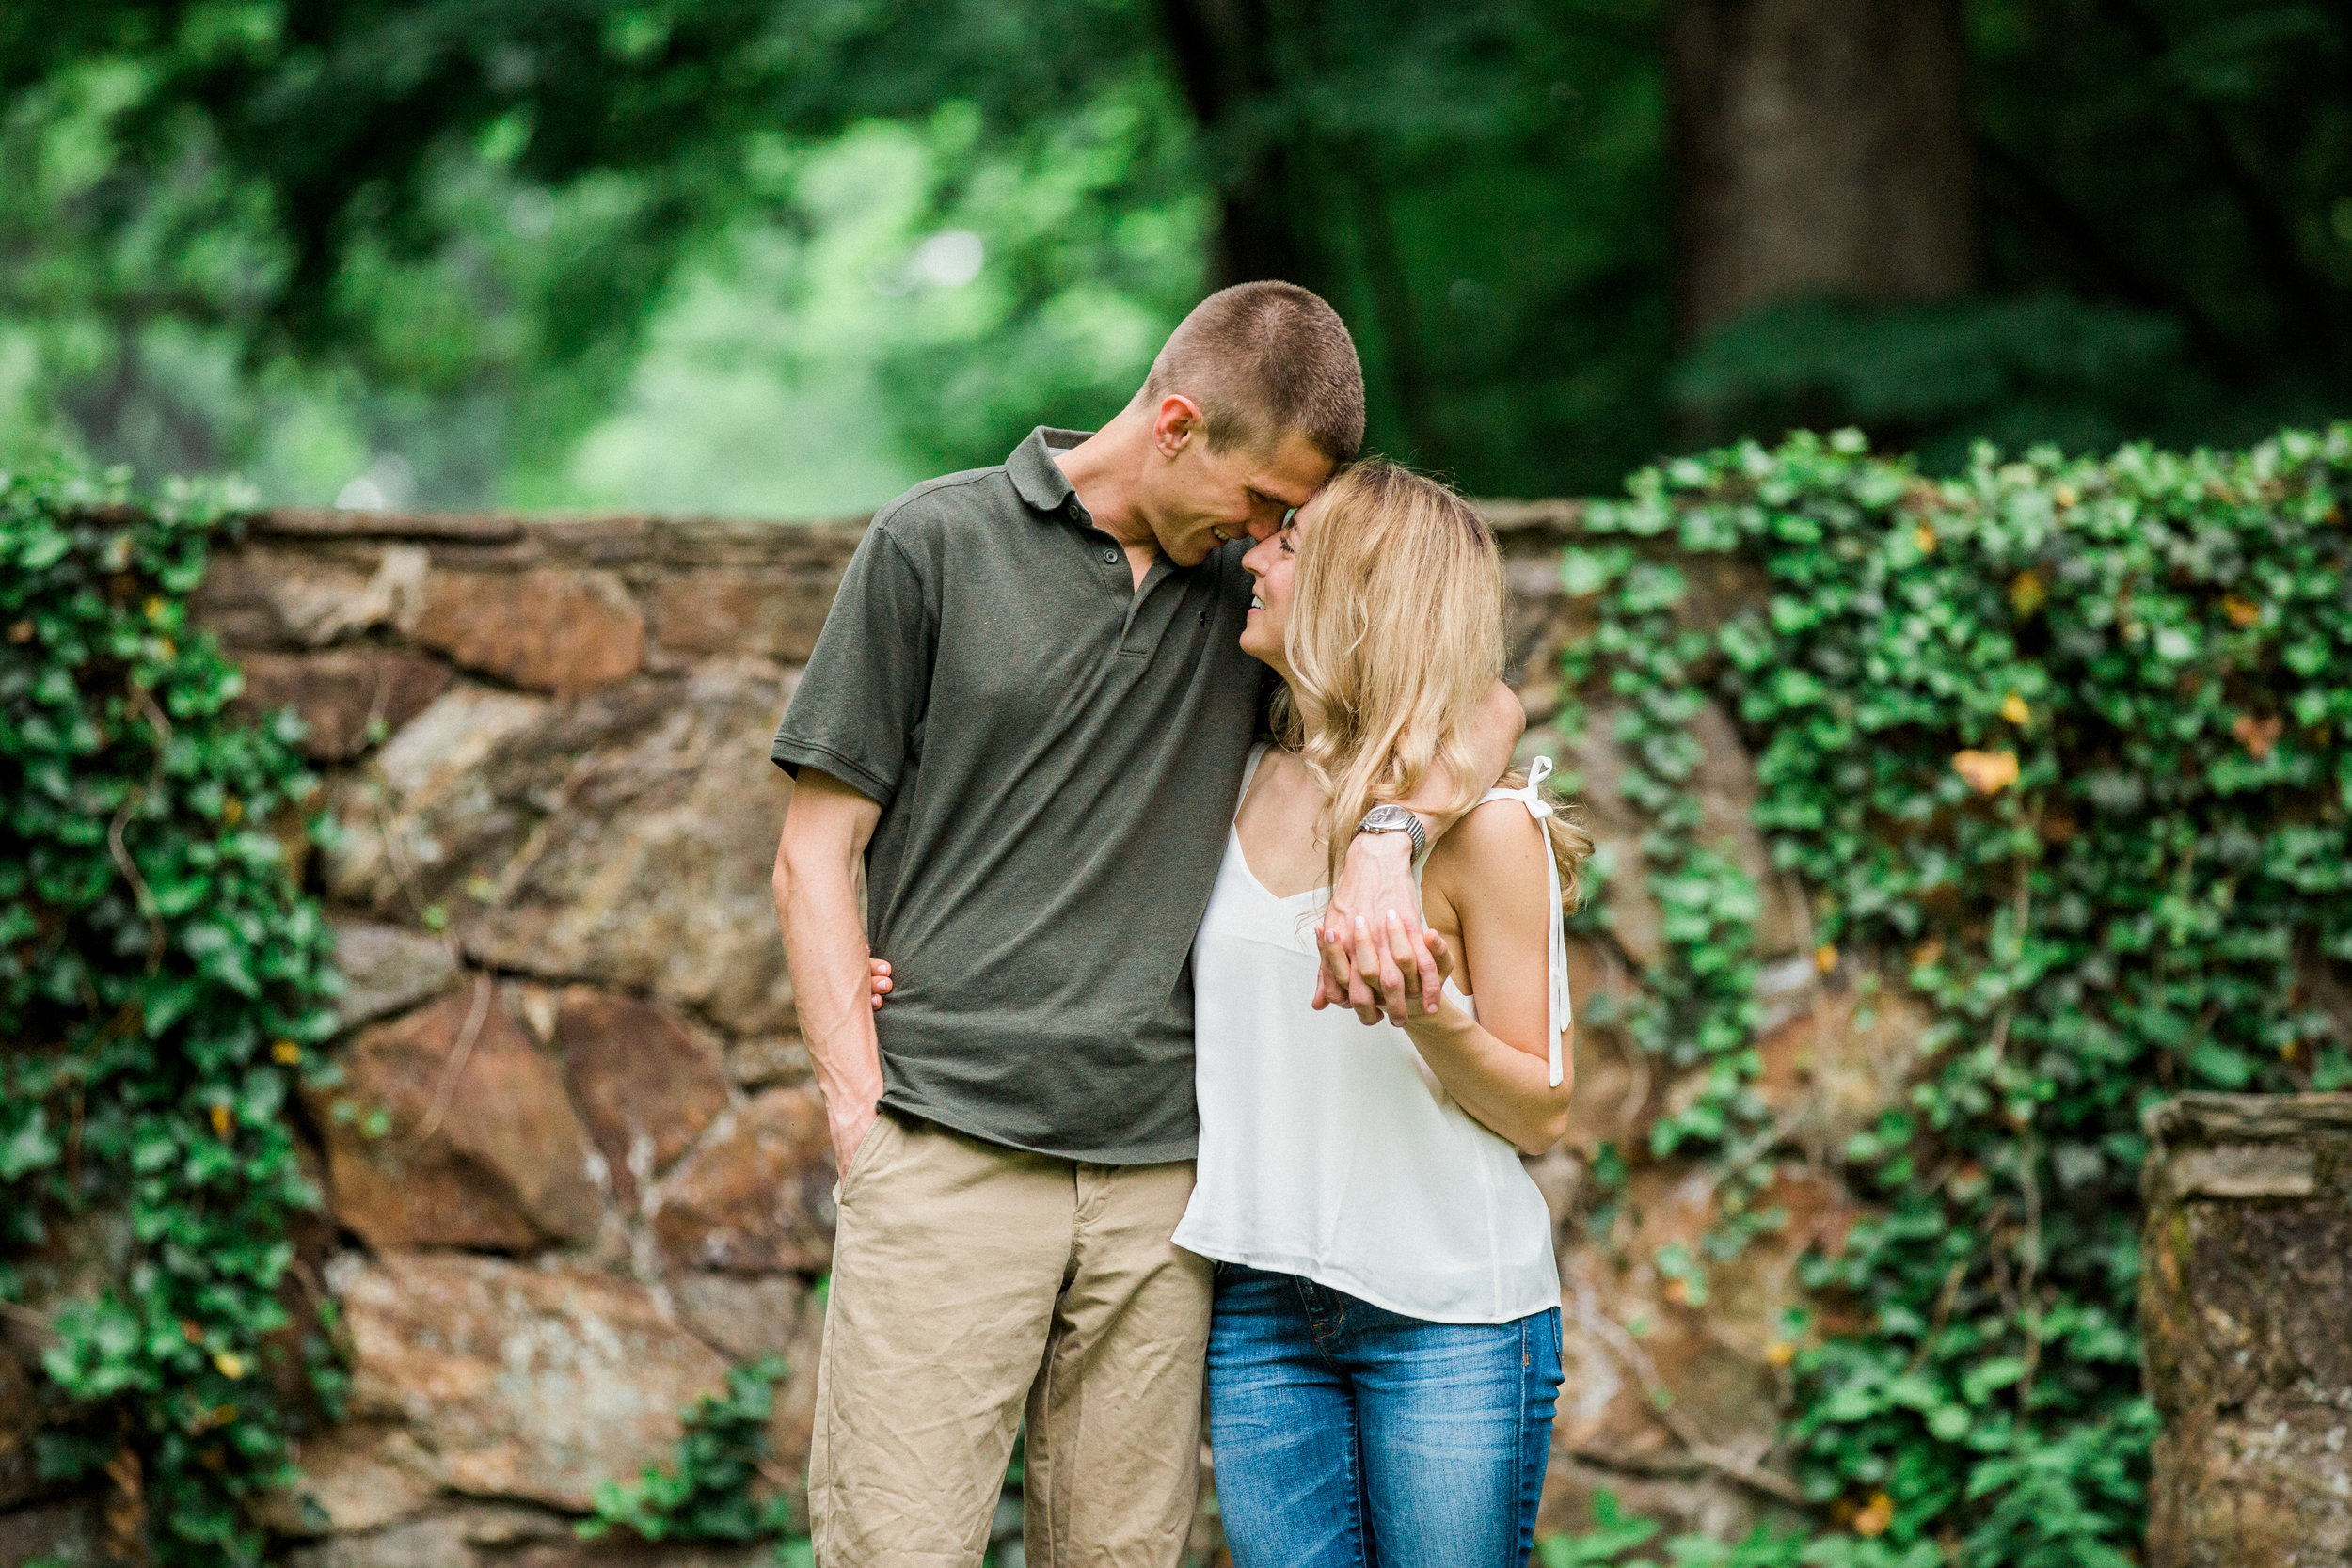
x: 1025, y: 723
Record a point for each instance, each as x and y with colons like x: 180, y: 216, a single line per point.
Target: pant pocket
x: 862, y: 1156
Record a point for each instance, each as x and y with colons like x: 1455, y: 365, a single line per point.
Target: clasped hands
x: 1377, y: 956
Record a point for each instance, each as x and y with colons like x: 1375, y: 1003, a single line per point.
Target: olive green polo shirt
x: 1056, y: 754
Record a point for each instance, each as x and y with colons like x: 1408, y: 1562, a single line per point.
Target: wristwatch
x: 1395, y: 820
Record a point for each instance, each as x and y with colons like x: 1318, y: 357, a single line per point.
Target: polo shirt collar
x: 1036, y: 475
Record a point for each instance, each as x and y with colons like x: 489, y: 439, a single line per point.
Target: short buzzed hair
x: 1261, y: 360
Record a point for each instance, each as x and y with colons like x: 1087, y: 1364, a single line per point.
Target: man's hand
x: 848, y: 1128
x: 1395, y: 974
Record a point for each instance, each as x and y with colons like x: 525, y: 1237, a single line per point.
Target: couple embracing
x: 1135, y: 777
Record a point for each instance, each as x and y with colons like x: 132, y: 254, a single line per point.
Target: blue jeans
x: 1349, y: 1436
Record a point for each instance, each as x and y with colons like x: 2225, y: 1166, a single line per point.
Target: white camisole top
x: 1330, y: 1150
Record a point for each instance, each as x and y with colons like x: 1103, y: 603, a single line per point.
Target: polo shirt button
x: 1110, y: 557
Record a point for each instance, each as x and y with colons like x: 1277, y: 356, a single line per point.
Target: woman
x: 1385, y: 1352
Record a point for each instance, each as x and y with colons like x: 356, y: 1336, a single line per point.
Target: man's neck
x: 1103, y: 469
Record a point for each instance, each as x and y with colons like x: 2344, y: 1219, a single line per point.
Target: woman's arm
x: 1493, y: 877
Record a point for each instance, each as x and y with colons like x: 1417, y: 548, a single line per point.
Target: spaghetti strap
x: 1539, y: 808
x: 1249, y: 771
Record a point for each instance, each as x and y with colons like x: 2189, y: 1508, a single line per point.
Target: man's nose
x: 1263, y: 528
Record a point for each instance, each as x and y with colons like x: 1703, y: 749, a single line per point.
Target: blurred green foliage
x: 1613, y: 1534
x: 783, y: 256
x: 563, y: 251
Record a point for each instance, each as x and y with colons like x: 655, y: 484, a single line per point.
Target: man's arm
x: 1378, y: 876
x: 825, y: 830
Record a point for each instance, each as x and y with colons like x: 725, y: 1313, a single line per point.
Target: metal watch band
x: 1395, y: 820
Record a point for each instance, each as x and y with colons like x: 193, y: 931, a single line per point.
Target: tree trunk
x: 1223, y: 51
x: 1822, y: 150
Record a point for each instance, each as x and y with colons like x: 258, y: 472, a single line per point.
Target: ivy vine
x: 2060, y: 747
x: 710, y: 1489
x: 163, y: 988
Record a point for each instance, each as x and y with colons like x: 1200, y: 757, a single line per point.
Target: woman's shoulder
x: 1495, y: 841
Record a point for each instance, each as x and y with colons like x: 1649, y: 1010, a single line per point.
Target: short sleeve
x: 859, y: 702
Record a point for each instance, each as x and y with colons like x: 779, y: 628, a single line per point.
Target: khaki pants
x: 972, y: 1283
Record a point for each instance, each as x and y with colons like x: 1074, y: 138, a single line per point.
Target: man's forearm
x: 825, y: 949
x: 1376, y: 875
x: 1490, y: 738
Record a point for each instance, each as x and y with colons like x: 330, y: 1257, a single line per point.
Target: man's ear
x: 1178, y: 421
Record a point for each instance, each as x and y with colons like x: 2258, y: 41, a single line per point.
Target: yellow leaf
x: 1987, y: 772
x: 2064, y: 496
x: 1928, y: 952
x: 1825, y: 957
x: 232, y: 810
x: 231, y: 1365
x: 155, y: 607
x: 2014, y: 708
x: 1780, y: 1353
x: 286, y: 1052
x: 2258, y: 735
x: 1678, y: 1292
x: 1875, y: 1517
x: 1924, y: 537
x: 2242, y: 612
x: 220, y: 1121
x: 2026, y: 591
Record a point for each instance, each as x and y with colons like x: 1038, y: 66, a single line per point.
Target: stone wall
x: 577, y: 1166
x: 2243, y: 1299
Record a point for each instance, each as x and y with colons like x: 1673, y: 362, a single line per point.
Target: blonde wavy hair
x: 1395, y: 638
